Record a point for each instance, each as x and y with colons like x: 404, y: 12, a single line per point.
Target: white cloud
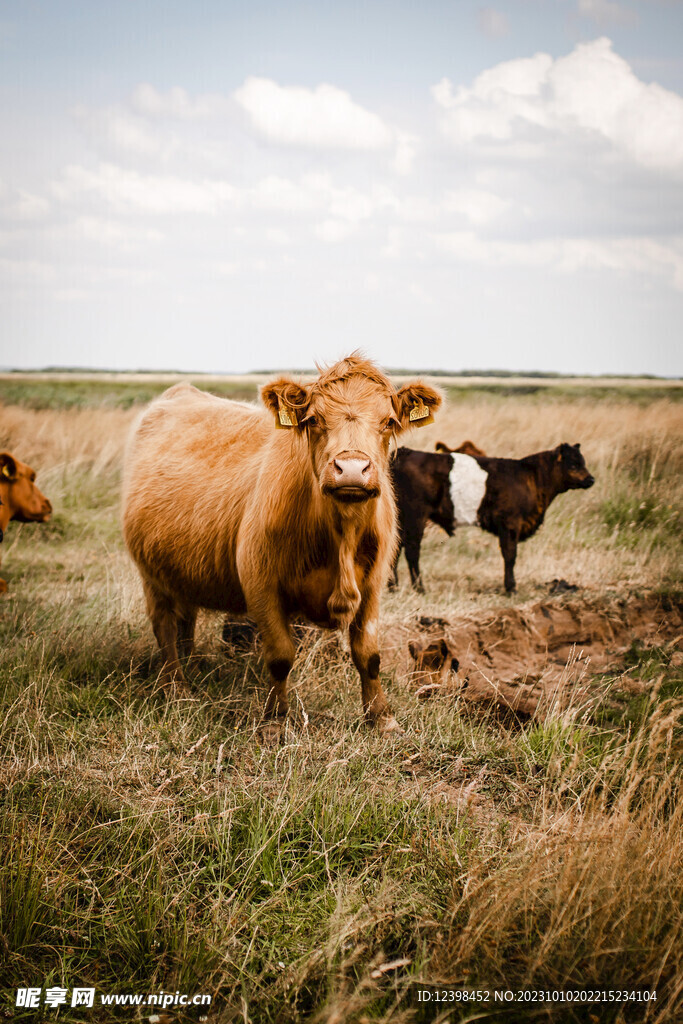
x: 70, y: 294
x: 480, y: 207
x: 175, y: 103
x: 311, y: 196
x: 283, y: 195
x: 406, y: 152
x: 590, y: 94
x: 324, y: 117
x: 17, y: 204
x: 18, y: 271
x: 492, y: 22
x: 569, y: 255
x: 276, y: 236
x: 331, y: 230
x: 234, y: 267
x: 119, y: 130
x: 606, y: 12
x: 114, y: 233
x: 154, y: 194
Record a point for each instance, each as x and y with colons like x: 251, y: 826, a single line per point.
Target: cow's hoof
x: 271, y: 733
x: 174, y: 684
x: 176, y: 689
x: 388, y: 726
x: 428, y: 690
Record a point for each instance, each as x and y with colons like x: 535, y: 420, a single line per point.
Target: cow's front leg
x: 364, y: 651
x: 278, y: 649
x: 508, y: 548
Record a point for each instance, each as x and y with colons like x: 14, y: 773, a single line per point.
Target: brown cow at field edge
x: 20, y: 499
x: 466, y: 448
x: 222, y: 511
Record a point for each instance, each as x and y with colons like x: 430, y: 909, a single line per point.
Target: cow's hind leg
x: 508, y: 547
x: 393, y: 579
x: 162, y: 613
x: 186, y: 627
x: 365, y: 654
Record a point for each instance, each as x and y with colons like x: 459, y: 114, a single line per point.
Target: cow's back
x: 468, y: 488
x: 191, y: 464
x: 512, y: 499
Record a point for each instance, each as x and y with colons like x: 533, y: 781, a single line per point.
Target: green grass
x: 120, y: 393
x: 151, y: 842
x: 628, y: 516
x: 136, y: 858
x: 89, y: 394
x: 556, y: 393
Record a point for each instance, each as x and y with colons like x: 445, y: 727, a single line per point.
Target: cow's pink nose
x: 351, y: 472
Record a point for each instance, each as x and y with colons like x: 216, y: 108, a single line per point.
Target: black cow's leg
x: 393, y: 579
x: 508, y: 548
x: 413, y: 542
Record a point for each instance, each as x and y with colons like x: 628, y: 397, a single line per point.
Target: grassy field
x: 150, y: 843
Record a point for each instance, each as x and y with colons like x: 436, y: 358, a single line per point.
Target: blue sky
x: 224, y: 187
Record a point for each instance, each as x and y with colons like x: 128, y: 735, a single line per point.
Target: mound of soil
x: 538, y: 655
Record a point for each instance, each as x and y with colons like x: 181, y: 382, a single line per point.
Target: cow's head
x: 349, y: 416
x: 572, y: 467
x: 20, y: 497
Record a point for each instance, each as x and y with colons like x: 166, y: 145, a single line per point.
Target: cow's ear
x: 441, y: 447
x: 414, y: 649
x: 8, y: 467
x: 577, y: 446
x: 416, y: 404
x: 287, y: 400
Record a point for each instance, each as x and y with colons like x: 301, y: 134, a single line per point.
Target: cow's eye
x: 311, y: 421
x: 391, y: 425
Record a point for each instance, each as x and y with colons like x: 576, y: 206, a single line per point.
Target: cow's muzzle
x: 588, y: 482
x: 351, y: 477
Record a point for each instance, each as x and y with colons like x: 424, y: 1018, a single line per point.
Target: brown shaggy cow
x: 20, y: 499
x: 222, y: 511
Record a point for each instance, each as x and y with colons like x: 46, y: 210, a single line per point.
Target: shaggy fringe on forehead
x: 354, y: 365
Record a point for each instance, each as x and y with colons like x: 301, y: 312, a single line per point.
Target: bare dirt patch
x: 535, y: 656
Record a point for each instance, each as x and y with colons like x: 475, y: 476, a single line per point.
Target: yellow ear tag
x: 285, y: 418
x: 418, y: 412
x: 5, y: 471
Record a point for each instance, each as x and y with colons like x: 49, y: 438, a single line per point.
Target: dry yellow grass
x: 153, y: 842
